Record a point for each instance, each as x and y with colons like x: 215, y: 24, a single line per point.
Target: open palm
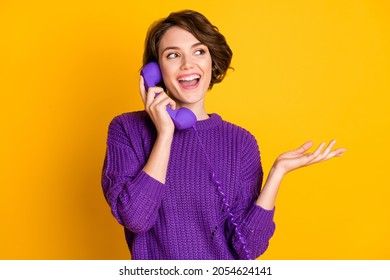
x: 300, y: 157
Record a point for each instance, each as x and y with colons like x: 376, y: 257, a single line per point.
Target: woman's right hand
x: 157, y: 163
x: 155, y: 101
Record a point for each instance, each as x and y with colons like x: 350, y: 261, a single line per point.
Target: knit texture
x: 185, y: 217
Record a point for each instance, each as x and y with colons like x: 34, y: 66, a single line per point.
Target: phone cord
x: 224, y: 200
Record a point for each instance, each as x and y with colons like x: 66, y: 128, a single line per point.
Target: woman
x: 194, y: 193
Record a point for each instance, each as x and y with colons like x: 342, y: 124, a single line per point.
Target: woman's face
x: 186, y: 66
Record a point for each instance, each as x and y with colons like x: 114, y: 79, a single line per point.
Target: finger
x: 142, y: 88
x: 323, y: 155
x: 158, y: 94
x: 161, y: 101
x: 317, y: 152
x: 165, y: 101
x: 172, y: 103
x: 152, y: 96
x: 336, y: 153
x: 316, y: 156
x: 297, y: 152
x: 302, y: 149
x: 149, y: 100
x: 329, y: 147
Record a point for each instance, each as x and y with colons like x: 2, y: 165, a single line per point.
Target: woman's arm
x: 134, y: 196
x: 289, y: 161
x: 156, y: 101
x: 133, y: 185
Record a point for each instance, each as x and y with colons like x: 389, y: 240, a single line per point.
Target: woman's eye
x: 172, y: 55
x: 199, y: 52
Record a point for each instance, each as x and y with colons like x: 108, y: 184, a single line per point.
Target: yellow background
x: 303, y: 70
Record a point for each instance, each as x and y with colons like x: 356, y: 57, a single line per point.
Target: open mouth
x: 189, y: 81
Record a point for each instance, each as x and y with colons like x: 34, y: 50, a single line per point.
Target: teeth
x: 189, y: 78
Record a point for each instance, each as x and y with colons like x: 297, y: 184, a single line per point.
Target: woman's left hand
x: 295, y: 159
x: 289, y: 161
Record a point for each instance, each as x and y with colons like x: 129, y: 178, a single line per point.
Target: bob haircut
x: 199, y: 26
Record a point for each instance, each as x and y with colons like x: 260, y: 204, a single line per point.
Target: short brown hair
x: 199, y: 26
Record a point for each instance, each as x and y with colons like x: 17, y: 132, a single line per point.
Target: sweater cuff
x: 148, y: 186
x: 259, y: 216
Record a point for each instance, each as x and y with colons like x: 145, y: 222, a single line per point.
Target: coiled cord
x: 224, y: 201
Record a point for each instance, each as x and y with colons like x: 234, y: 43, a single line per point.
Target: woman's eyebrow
x: 177, y: 48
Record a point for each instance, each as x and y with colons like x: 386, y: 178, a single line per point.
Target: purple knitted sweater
x: 185, y: 218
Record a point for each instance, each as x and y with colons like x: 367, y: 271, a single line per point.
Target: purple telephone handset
x: 183, y: 118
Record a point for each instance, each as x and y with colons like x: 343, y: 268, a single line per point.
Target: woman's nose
x: 187, y: 63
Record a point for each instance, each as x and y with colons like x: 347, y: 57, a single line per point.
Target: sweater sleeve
x: 133, y: 196
x: 256, y: 225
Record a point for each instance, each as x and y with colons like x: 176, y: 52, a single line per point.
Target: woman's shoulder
x: 130, y: 125
x: 237, y: 130
x: 136, y: 116
x: 131, y: 120
x: 243, y: 138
